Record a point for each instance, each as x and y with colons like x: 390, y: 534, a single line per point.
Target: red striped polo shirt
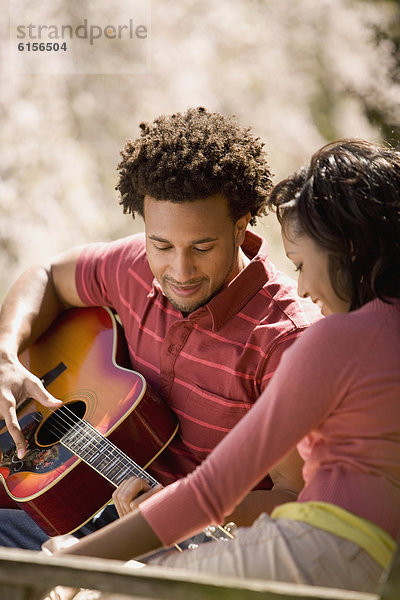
x: 211, y: 365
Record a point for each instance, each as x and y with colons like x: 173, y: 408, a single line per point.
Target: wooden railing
x: 26, y: 575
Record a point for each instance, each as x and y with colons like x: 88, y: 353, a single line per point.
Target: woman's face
x: 311, y: 262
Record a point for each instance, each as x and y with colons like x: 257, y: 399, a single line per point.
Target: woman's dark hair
x: 191, y: 156
x: 348, y: 202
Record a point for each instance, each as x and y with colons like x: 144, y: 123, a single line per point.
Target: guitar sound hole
x: 59, y: 422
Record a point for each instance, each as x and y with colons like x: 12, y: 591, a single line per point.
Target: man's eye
x: 203, y: 249
x: 162, y: 247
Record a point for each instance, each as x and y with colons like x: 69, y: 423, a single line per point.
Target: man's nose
x: 183, y: 267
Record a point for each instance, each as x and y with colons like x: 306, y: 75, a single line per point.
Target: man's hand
x: 16, y: 385
x: 131, y: 493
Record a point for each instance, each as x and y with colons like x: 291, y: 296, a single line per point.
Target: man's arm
x: 29, y: 308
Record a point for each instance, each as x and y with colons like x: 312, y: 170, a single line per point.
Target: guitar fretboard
x: 102, y: 455
x: 114, y: 465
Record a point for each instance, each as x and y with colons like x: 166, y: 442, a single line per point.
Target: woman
x: 335, y: 395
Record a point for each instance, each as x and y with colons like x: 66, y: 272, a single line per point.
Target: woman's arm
x: 287, y: 482
x: 297, y: 400
x: 128, y: 537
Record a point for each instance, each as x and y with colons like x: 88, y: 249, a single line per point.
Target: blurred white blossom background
x: 299, y: 72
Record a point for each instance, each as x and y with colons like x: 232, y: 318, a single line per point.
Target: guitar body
x: 81, y: 355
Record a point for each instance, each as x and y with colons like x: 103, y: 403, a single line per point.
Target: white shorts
x: 283, y: 550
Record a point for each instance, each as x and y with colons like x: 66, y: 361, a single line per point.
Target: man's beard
x: 186, y: 309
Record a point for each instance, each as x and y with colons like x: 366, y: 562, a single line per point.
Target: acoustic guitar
x: 111, y: 424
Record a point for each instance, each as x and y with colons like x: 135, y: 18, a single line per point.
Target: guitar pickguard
x: 38, y: 459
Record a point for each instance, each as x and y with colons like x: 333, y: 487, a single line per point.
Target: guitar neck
x: 102, y: 455
x: 114, y: 465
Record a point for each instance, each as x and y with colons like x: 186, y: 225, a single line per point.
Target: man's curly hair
x: 190, y: 156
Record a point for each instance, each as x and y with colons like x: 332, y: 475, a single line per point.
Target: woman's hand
x: 131, y: 493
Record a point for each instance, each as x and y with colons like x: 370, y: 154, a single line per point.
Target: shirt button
x: 171, y: 348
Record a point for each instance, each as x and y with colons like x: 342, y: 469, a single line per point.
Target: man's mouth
x: 185, y: 290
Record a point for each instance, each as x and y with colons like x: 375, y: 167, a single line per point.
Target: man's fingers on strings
x: 127, y: 492
x: 14, y: 430
x: 35, y: 389
x: 144, y: 495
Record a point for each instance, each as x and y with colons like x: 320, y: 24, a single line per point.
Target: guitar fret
x: 95, y: 456
x: 123, y: 475
x: 101, y: 454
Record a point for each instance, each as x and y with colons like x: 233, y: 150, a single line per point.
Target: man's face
x: 192, y: 248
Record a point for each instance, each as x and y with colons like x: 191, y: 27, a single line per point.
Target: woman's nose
x: 301, y: 290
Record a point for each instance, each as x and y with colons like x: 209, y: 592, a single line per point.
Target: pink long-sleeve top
x: 336, y: 395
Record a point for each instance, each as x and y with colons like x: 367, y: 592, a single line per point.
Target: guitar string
x: 111, y: 452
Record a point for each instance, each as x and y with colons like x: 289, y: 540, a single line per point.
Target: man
x: 205, y: 314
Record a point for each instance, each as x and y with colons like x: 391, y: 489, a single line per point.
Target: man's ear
x: 240, y: 228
